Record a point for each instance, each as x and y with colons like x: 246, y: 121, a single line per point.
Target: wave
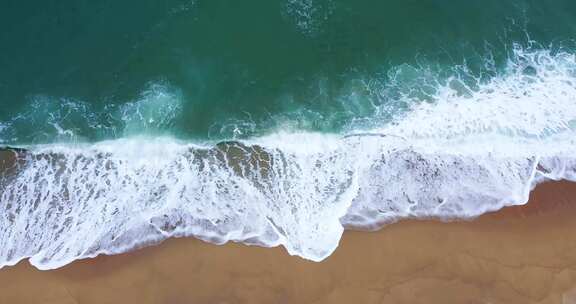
x: 469, y: 151
x: 48, y: 119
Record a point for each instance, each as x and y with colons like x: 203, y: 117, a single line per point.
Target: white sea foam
x: 458, y: 157
x: 518, y: 103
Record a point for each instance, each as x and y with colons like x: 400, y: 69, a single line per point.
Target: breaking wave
x: 463, y: 151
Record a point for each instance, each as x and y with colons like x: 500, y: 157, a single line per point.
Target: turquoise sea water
x: 273, y: 122
x: 221, y: 69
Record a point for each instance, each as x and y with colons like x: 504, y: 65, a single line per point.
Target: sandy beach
x: 521, y: 254
x: 237, y: 152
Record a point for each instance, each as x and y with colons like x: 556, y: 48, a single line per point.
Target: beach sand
x: 521, y: 254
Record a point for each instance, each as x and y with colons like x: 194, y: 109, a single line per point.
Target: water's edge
x: 64, y: 203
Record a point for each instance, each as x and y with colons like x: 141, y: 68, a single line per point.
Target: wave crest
x: 470, y: 151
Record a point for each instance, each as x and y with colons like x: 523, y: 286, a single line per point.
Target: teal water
x: 273, y: 122
x: 221, y: 69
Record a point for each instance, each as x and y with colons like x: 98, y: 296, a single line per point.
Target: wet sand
x: 518, y: 255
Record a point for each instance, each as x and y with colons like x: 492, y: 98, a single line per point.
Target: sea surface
x: 273, y: 122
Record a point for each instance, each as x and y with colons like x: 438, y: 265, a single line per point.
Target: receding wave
x: 465, y: 151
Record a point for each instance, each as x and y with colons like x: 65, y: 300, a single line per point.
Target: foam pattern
x: 457, y: 157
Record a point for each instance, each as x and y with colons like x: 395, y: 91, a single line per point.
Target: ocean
x: 273, y: 122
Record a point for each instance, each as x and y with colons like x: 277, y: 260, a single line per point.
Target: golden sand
x: 518, y: 255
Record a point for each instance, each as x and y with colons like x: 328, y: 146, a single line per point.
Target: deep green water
x: 213, y: 69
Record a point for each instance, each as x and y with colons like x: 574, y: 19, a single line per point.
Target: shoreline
x: 521, y: 254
